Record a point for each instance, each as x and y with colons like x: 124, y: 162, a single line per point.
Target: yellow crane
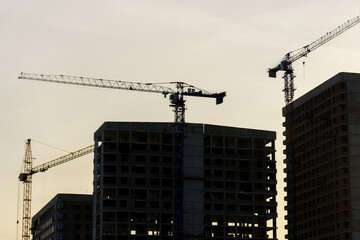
x: 26, y: 178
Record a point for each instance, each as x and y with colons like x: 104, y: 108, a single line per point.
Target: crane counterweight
x: 23, y: 177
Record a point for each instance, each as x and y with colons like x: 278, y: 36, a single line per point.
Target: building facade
x: 65, y: 217
x: 323, y: 161
x: 229, y: 182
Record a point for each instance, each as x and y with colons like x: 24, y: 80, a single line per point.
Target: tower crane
x: 26, y: 178
x: 177, y: 102
x: 286, y: 62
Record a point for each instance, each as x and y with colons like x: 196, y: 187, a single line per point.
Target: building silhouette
x: 66, y: 216
x: 229, y: 182
x: 323, y: 161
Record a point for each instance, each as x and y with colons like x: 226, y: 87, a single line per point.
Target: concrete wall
x: 193, y: 183
x: 353, y: 86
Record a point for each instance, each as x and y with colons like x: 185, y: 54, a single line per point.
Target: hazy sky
x: 215, y: 45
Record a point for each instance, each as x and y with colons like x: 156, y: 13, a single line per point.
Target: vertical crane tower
x: 177, y: 102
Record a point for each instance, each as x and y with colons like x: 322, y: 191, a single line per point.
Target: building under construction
x: 323, y: 161
x: 66, y: 216
x: 229, y: 182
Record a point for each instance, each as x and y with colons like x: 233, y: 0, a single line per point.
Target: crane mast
x: 286, y: 62
x: 26, y: 178
x: 177, y: 102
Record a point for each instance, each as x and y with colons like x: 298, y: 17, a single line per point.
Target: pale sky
x: 214, y: 45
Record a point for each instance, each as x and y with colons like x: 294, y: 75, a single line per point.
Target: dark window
x: 167, y: 138
x: 154, y: 204
x: 218, y: 173
x: 140, y: 158
x: 167, y: 182
x: 123, y: 192
x: 123, y: 180
x: 109, y: 217
x: 167, y: 193
x: 168, y: 160
x: 154, y: 193
x: 167, y: 171
x: 154, y: 159
x: 109, y: 203
x: 109, y: 135
x: 218, y: 207
x: 140, y: 181
x: 109, y: 157
x: 140, y: 137
x: 154, y: 137
x: 154, y: 181
x: 124, y: 136
x: 140, y: 204
x: 138, y: 169
x: 217, y: 141
x: 123, y: 203
x: 109, y: 180
x: 167, y: 205
x: 109, y: 169
x: 154, y: 171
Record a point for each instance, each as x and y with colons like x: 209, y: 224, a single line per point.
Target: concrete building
x: 66, y: 216
x: 229, y: 182
x: 323, y: 161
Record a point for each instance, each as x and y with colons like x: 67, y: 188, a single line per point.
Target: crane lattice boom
x: 63, y: 159
x: 96, y: 82
x: 324, y: 39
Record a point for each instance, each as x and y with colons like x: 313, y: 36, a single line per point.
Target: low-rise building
x: 66, y: 216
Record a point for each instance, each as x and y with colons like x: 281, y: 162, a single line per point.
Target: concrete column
x: 193, y: 185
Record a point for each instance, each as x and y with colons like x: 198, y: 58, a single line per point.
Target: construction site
x: 199, y: 181
x: 170, y: 180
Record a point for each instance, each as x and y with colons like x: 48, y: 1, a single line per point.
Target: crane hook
x: 304, y: 69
